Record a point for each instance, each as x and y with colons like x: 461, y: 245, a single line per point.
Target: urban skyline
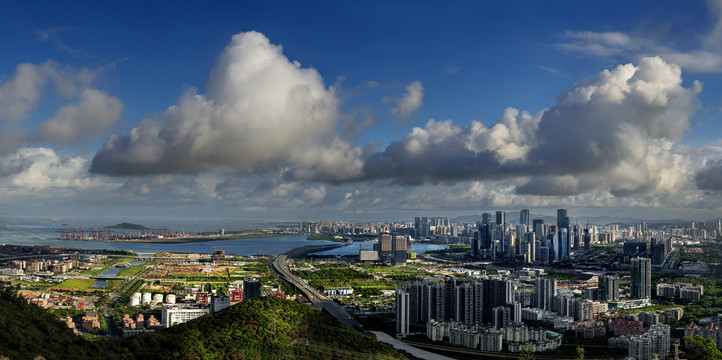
x: 380, y: 111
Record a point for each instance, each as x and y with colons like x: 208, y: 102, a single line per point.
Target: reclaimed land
x: 202, y: 238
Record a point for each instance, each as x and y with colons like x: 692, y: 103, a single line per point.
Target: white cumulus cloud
x: 262, y: 112
x: 410, y: 101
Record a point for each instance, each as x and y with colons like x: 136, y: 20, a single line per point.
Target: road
x: 279, y: 266
x: 398, y: 345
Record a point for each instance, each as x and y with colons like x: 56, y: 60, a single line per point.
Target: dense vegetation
x: 268, y: 328
x: 704, y: 348
x: 709, y: 305
x: 262, y: 328
x: 28, y: 330
x: 127, y: 226
x: 327, y: 237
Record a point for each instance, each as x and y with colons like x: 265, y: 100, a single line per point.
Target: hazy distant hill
x: 127, y: 226
x: 262, y: 328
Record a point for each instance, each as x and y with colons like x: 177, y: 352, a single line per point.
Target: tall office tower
x: 251, y: 288
x: 385, y: 247
x: 538, y: 228
x: 520, y: 231
x: 576, y: 236
x: 524, y: 217
x: 538, y: 251
x: 486, y: 238
x: 402, y: 311
x: 476, y: 241
x: 563, y: 221
x: 486, y: 218
x: 400, y: 243
x: 386, y: 242
x: 499, y: 235
x: 546, y: 290
x: 424, y: 226
x: 511, y: 246
x: 587, y: 240
x: 608, y: 288
x: 561, y: 216
x: 531, y: 246
x: 500, y: 218
x: 417, y: 226
x: 553, y: 244
x: 400, y: 248
x: 564, y: 250
x: 496, y: 292
x: 641, y: 278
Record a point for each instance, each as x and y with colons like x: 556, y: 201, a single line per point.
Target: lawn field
x: 96, y: 270
x: 130, y: 271
x: 77, y: 284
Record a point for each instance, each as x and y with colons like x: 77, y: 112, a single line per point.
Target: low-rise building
x: 178, y: 314
x: 711, y: 331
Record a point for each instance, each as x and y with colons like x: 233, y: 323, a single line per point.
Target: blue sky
x: 96, y: 120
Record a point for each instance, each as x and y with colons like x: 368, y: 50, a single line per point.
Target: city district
x: 545, y: 286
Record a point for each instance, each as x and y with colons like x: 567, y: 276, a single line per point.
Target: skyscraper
x: 561, y: 215
x: 553, y: 243
x: 564, y: 249
x: 608, y: 288
x: 524, y: 217
x: 399, y: 247
x: 641, y: 278
x: 545, y: 291
x: 499, y: 231
x: 563, y: 223
x: 497, y: 292
x: 486, y: 218
x: 538, y: 228
x: 500, y: 218
x: 402, y: 311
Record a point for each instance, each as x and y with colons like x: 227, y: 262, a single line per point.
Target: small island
x: 127, y: 226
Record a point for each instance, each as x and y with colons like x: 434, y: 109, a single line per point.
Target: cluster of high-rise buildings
x: 390, y: 249
x: 484, y: 312
x: 475, y: 310
x: 342, y: 227
x: 530, y: 240
x: 652, y: 344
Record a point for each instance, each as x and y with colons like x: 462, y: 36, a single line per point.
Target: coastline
x: 193, y: 239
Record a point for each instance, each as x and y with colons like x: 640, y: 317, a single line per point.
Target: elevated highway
x: 279, y: 266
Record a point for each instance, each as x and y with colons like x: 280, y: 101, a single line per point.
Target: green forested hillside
x: 263, y: 328
x: 27, y: 330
